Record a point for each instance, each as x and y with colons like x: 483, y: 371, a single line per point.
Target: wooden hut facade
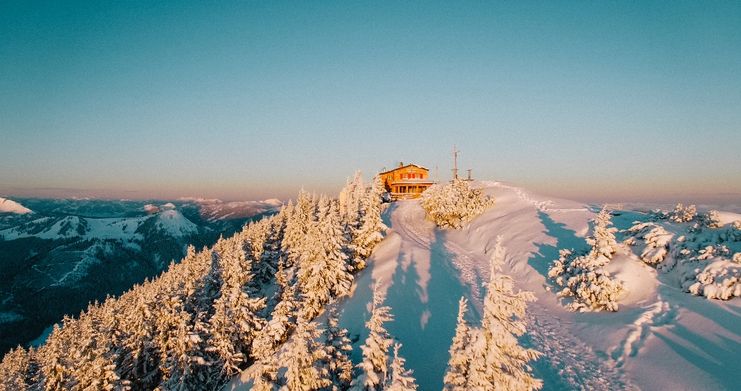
x: 406, y: 181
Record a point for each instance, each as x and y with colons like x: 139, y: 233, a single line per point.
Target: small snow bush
x: 734, y: 231
x: 682, y: 214
x: 583, y: 278
x: 712, y: 219
x: 454, y: 204
x: 655, y: 238
x: 718, y: 280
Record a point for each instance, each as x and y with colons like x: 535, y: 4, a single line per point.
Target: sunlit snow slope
x: 662, y: 338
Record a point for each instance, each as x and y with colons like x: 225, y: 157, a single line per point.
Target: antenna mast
x: 455, y: 162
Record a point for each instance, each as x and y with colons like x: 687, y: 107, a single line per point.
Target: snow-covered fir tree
x: 460, y: 352
x: 603, y: 239
x: 350, y: 201
x: 235, y: 322
x: 282, y: 319
x: 335, y: 246
x: 179, y: 340
x: 337, y: 349
x: 371, y: 229
x: 583, y: 278
x: 501, y: 363
x: 400, y: 378
x: 299, y: 221
x: 373, y: 370
x: 351, y: 214
x: 264, y: 374
x: 302, y: 359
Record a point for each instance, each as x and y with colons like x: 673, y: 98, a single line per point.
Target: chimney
x: 401, y: 164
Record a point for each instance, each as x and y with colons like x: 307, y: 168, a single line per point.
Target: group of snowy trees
x: 249, y: 299
x: 489, y: 357
x: 704, y: 254
x: 582, y: 277
x: 454, y: 204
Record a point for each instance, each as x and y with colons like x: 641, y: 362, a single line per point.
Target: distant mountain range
x: 56, y: 255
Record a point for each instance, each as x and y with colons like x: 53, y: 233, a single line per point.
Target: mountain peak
x: 10, y: 206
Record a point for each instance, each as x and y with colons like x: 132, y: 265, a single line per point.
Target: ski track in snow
x: 570, y: 363
x: 541, y: 205
x: 658, y: 314
x: 567, y: 362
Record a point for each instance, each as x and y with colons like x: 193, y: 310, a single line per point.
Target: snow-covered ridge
x: 10, y: 206
x: 214, y: 209
x: 118, y: 228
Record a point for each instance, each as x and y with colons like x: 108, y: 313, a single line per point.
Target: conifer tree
x: 506, y: 362
x: 335, y: 250
x: 282, y: 319
x: 337, y: 349
x: 351, y: 214
x: 297, y: 222
x: 400, y: 378
x: 349, y: 201
x: 603, y: 238
x: 260, y: 236
x: 302, y: 359
x: 583, y: 277
x: 139, y: 361
x: 460, y: 352
x: 373, y: 370
x: 371, y: 229
x: 265, y: 374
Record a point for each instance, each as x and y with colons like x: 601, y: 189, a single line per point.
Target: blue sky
x: 241, y: 100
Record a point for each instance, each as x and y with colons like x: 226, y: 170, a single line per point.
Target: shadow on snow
x: 547, y: 253
x: 424, y: 311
